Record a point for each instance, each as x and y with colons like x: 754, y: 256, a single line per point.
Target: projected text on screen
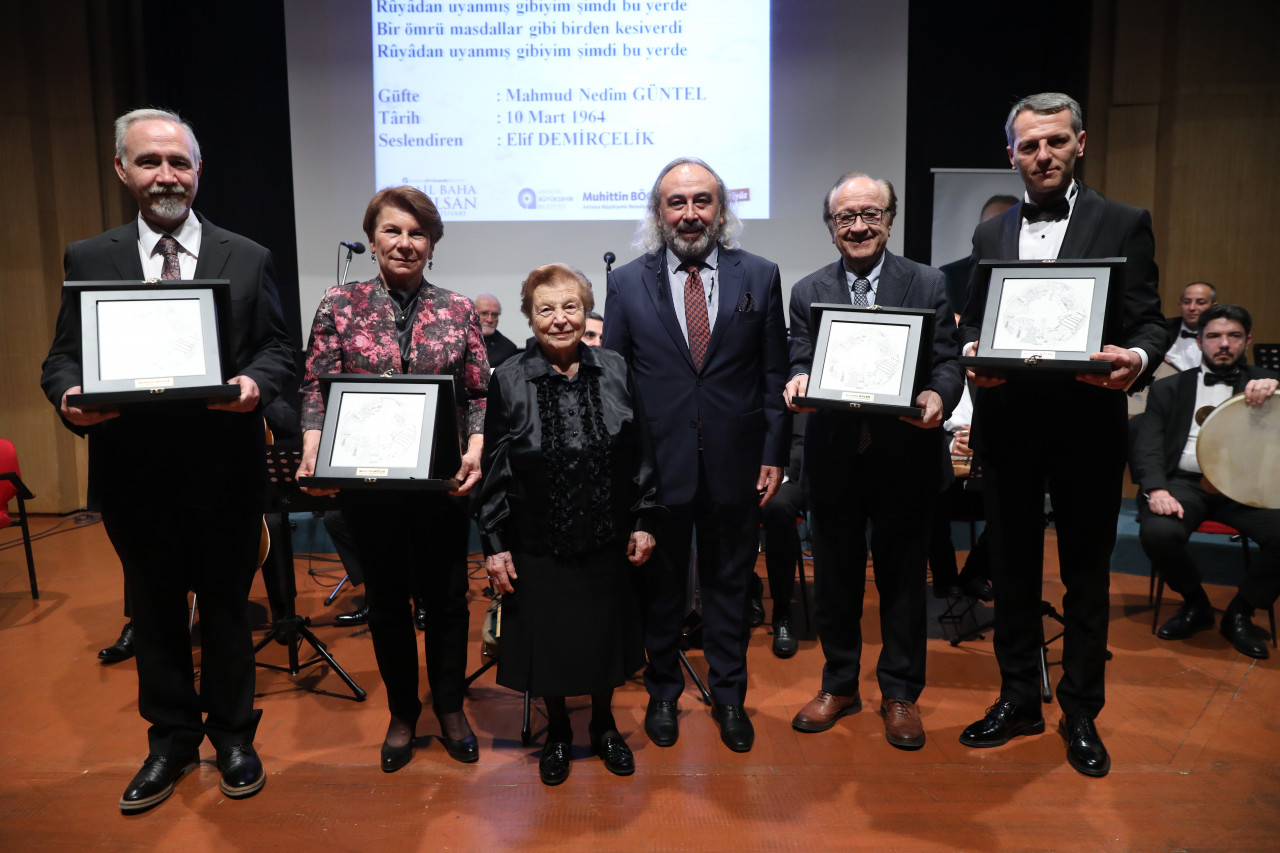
x: 534, y: 111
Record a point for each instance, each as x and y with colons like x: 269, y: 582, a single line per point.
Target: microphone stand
x: 343, y: 280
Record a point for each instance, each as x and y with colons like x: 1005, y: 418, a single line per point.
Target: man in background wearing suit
x: 701, y: 323
x: 1183, y: 349
x: 181, y: 483
x: 879, y: 469
x: 1162, y: 457
x: 1066, y: 431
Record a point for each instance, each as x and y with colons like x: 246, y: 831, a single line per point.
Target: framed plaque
x: 869, y: 359
x: 1045, y: 315
x: 151, y: 341
x: 387, y: 432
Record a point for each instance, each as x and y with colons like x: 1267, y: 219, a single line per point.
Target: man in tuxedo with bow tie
x: 181, y: 483
x: 881, y: 470
x: 1183, y: 351
x: 701, y: 323
x: 1026, y: 443
x: 1162, y: 457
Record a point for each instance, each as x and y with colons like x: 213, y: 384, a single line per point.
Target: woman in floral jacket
x: 409, y: 541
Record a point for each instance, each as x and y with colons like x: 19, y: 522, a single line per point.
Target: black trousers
x: 168, y: 549
x: 838, y: 522
x: 1164, y: 539
x: 727, y: 540
x: 782, y: 543
x: 414, y: 541
x: 1084, y: 487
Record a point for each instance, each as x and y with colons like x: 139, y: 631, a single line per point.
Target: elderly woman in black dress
x: 409, y: 542
x: 567, y: 501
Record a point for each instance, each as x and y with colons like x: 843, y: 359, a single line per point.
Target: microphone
x: 356, y: 247
x: 609, y: 258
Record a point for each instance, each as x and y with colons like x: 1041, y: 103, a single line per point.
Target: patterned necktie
x: 695, y: 315
x: 861, y: 287
x: 169, y: 248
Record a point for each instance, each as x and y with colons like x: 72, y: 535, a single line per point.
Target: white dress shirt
x: 678, y: 274
x: 188, y: 236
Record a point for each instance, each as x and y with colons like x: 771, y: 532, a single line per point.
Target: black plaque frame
x: 1105, y: 273
x: 213, y: 296
x: 439, y: 456
x: 916, y: 358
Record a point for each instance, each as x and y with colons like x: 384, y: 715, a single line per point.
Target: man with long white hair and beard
x: 701, y: 323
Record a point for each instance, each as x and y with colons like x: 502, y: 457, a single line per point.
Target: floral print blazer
x: 354, y: 331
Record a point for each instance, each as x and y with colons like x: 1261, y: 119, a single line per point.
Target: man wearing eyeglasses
x: 1027, y: 444
x: 880, y: 469
x: 497, y: 346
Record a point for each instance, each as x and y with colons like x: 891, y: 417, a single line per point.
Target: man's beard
x: 1222, y: 367
x: 698, y: 249
x: 168, y: 202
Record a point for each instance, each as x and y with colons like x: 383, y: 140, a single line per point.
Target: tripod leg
x: 337, y: 589
x: 702, y: 688
x: 526, y: 732
x: 305, y: 633
x: 1046, y: 694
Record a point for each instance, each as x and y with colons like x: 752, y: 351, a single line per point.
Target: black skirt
x: 572, y: 626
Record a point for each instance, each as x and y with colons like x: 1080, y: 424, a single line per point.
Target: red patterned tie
x: 695, y: 315
x: 169, y: 248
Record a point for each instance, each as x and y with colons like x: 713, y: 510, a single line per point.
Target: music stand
x: 283, y: 497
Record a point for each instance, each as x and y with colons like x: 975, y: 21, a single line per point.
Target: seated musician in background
x: 782, y: 544
x: 1183, y: 349
x: 974, y: 580
x: 1162, y: 458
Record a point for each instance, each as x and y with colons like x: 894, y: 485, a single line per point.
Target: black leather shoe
x: 1004, y: 721
x: 784, y: 642
x: 943, y: 588
x: 395, y: 757
x: 1190, y: 618
x: 736, y: 731
x: 553, y: 767
x: 420, y: 616
x: 466, y: 750
x: 242, y: 773
x: 755, y: 612
x: 354, y: 618
x: 1085, y: 751
x: 1247, y: 637
x: 978, y: 588
x: 121, y: 649
x: 154, y: 782
x: 661, y: 722
x: 617, y: 756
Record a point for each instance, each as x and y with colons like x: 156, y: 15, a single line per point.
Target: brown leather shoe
x: 823, y: 710
x: 902, y: 725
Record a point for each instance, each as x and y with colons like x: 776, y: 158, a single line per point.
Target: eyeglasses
x: 870, y: 216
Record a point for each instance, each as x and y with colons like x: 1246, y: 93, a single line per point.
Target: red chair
x: 1215, y: 528
x: 11, y: 486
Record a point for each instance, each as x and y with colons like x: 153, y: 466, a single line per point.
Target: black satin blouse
x: 569, y: 472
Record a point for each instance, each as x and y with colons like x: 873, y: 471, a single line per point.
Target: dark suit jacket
x: 499, y: 347
x: 736, y: 397
x: 171, y: 442
x: 919, y: 458
x: 1099, y: 228
x: 1157, y: 436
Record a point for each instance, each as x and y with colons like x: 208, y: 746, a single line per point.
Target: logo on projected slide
x: 527, y: 199
x: 740, y: 195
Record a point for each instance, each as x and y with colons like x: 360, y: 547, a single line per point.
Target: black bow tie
x: 1211, y: 378
x: 1183, y: 333
x: 1051, y: 211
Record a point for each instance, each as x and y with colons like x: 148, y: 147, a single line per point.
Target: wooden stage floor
x: 1192, y: 728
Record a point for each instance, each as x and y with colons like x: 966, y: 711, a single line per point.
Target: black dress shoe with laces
x: 736, y: 731
x: 1247, y: 637
x: 1004, y: 721
x: 553, y: 767
x: 420, y: 616
x: 784, y: 642
x: 154, y: 782
x: 121, y: 649
x: 354, y: 618
x: 617, y: 756
x: 1190, y: 618
x: 242, y: 773
x: 1085, y: 751
x: 660, y: 722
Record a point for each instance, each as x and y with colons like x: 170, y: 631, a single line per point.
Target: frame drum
x: 1239, y: 451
